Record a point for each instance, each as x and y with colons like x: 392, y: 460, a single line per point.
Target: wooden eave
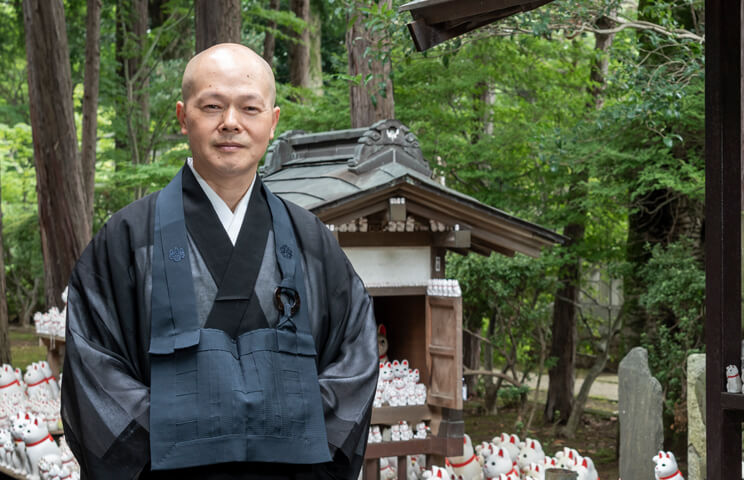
x: 490, y: 229
x: 435, y: 21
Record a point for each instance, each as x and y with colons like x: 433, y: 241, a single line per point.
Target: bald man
x: 215, y: 331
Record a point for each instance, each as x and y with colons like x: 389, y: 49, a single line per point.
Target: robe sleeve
x: 105, y: 400
x: 348, y: 364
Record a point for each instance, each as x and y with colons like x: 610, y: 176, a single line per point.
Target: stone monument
x: 696, y: 465
x: 641, y: 424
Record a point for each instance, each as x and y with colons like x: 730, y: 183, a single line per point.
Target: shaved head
x: 225, y: 54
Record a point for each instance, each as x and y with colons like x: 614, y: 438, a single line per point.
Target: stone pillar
x: 696, y: 465
x: 641, y: 424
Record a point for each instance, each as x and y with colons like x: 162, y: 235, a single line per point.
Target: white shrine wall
x: 391, y: 266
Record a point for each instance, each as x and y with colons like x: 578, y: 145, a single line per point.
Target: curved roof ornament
x: 388, y: 141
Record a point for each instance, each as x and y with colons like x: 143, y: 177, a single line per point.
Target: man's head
x: 228, y: 111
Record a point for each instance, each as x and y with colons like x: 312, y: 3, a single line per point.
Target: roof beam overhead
x: 436, y: 21
x: 531, y: 248
x: 453, y: 239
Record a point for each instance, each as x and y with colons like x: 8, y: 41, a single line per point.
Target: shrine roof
x: 347, y: 174
x: 435, y: 21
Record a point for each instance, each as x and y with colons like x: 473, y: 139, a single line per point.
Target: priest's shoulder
x: 132, y: 224
x: 314, y: 237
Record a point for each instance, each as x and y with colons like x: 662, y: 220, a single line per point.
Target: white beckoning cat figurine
x: 530, y: 451
x: 733, y: 381
x: 499, y: 462
x: 466, y: 465
x: 666, y: 467
x: 38, y: 444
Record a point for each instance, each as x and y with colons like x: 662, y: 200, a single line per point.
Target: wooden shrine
x: 373, y: 188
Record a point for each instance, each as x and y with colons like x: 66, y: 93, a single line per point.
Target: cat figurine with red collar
x: 566, y: 460
x: 530, y: 451
x: 733, y: 380
x: 36, y: 381
x: 535, y: 471
x: 386, y: 372
x: 9, y: 383
x: 666, y: 467
x: 586, y: 469
x: 466, y: 464
x: 382, y: 343
x: 500, y: 463
x: 388, y: 469
x: 20, y: 458
x: 510, y: 442
x: 38, y: 443
x: 6, y: 448
x: 436, y: 473
x: 49, y: 378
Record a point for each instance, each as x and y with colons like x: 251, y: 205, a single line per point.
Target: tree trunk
x: 572, y: 424
x: 315, y: 75
x: 371, y: 96
x: 137, y: 82
x: 299, y: 48
x: 90, y: 99
x: 560, y: 389
x: 5, y: 356
x: 563, y: 344
x: 270, y: 39
x: 65, y: 226
x: 217, y: 21
x: 471, y: 359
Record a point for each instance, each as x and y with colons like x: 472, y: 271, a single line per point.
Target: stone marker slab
x: 641, y: 425
x: 560, y: 474
x: 696, y: 465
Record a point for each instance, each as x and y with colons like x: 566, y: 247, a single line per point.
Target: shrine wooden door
x: 444, y: 351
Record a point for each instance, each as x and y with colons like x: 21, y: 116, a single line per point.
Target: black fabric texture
x: 105, y: 392
x: 234, y: 269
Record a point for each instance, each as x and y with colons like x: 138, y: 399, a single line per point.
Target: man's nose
x: 230, y: 120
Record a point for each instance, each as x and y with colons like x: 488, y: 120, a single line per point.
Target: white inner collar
x: 231, y: 221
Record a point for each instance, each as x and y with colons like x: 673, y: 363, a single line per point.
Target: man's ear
x: 275, y: 113
x: 181, y: 115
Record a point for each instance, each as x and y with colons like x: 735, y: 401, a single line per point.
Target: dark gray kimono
x: 105, y: 393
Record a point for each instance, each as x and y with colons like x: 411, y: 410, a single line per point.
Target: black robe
x: 105, y: 391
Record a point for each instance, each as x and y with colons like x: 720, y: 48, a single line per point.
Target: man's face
x: 229, y: 116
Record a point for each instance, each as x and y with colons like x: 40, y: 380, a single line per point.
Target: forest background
x: 584, y: 116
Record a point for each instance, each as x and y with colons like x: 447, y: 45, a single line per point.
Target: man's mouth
x: 228, y: 146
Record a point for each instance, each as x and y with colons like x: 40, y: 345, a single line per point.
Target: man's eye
x: 211, y: 106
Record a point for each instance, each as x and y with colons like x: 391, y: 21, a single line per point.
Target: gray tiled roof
x: 324, y: 170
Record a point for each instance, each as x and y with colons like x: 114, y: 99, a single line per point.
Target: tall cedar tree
x: 4, y: 334
x: 217, y: 21
x: 90, y: 98
x: 597, y: 85
x: 63, y: 218
x: 371, y: 96
x: 560, y: 401
x: 269, y: 45
x: 299, y: 49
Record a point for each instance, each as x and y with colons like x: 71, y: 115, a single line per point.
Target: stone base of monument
x: 560, y: 474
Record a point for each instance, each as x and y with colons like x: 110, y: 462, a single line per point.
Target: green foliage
x: 676, y: 294
x: 508, y: 300
x: 316, y: 113
x: 511, y: 396
x: 21, y: 240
